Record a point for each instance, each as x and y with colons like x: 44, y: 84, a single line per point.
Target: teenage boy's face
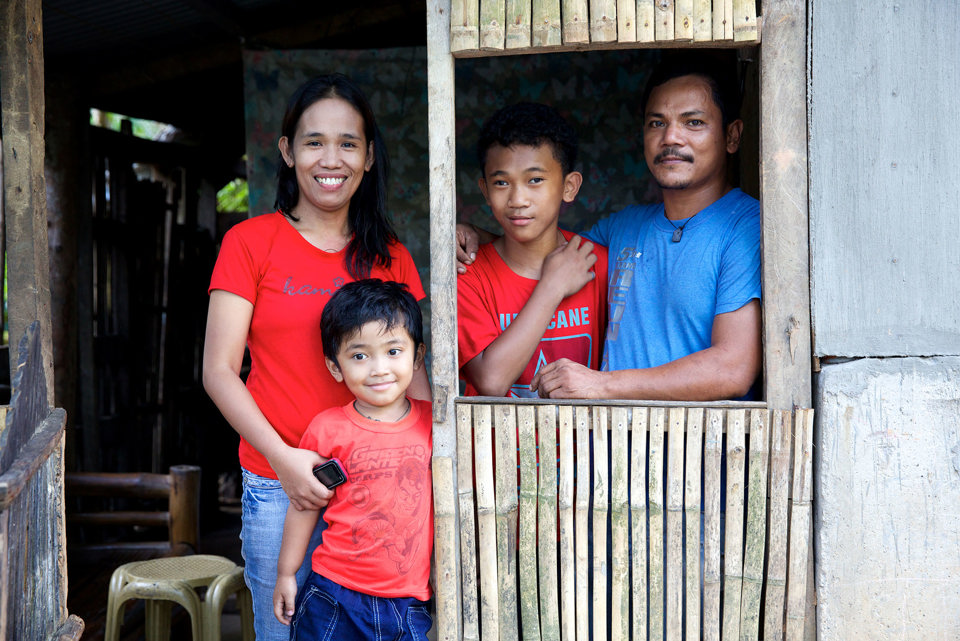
x: 524, y: 187
x: 377, y: 365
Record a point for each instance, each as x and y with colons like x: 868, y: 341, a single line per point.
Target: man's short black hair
x: 721, y: 78
x: 530, y: 124
x: 365, y: 301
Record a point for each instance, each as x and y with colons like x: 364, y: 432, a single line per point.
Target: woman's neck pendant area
x: 677, y: 234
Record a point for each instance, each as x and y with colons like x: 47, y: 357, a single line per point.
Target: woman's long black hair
x: 367, y: 214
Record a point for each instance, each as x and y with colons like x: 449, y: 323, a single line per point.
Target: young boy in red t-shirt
x: 370, y: 576
x: 537, y: 293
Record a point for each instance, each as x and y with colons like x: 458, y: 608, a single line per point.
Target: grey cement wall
x: 885, y: 293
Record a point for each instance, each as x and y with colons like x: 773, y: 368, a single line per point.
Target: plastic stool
x: 165, y: 581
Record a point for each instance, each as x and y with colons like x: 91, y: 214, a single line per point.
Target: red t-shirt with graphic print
x: 490, y: 295
x: 289, y: 281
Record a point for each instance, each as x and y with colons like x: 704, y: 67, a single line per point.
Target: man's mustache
x: 672, y: 152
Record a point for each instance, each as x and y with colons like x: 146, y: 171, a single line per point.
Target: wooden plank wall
x: 488, y: 27
x: 538, y: 558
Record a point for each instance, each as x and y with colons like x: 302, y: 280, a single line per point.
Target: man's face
x: 684, y: 141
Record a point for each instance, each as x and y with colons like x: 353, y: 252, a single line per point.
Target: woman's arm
x: 228, y: 322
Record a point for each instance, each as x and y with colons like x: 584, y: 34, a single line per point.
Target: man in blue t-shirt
x: 684, y: 308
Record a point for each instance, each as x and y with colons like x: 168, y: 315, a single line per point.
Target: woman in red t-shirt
x: 273, y: 276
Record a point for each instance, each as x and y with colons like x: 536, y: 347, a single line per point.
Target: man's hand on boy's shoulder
x: 569, y: 267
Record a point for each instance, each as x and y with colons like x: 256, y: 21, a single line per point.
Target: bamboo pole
x: 646, y: 19
x: 601, y: 509
x: 638, y: 520
x: 619, y: 526
x: 733, y: 524
x: 691, y: 503
x: 529, y: 598
x: 702, y: 21
x: 519, y: 13
x: 655, y: 499
x: 445, y: 528
x: 773, y: 627
x: 712, y: 449
x: 468, y: 527
x: 745, y: 20
x: 486, y: 525
x: 627, y: 20
x: 546, y: 23
x: 582, y: 416
x: 505, y: 427
x: 683, y: 20
x: 464, y: 25
x: 576, y: 21
x: 493, y: 14
x: 547, y: 524
x: 565, y: 506
x: 664, y: 20
x: 674, y: 539
x: 756, y: 527
x: 799, y: 523
x: 603, y: 20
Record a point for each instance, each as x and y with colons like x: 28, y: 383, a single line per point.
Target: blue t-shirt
x: 663, y: 295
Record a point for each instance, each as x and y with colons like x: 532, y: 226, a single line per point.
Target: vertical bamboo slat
x: 619, y: 526
x: 518, y: 14
x: 582, y: 415
x: 712, y: 450
x: 754, y: 548
x: 691, y: 504
x: 467, y: 526
x: 744, y: 20
x: 445, y: 527
x: 527, y: 543
x: 777, y: 533
x: 683, y: 20
x: 505, y: 426
x: 565, y: 507
x: 674, y: 539
x: 733, y: 524
x: 546, y: 23
x: 646, y: 17
x: 547, y: 524
x: 601, y: 509
x: 626, y: 21
x: 492, y: 18
x: 655, y: 582
x: 664, y: 20
x: 799, y: 523
x: 486, y: 524
x: 576, y: 21
x: 702, y: 21
x: 464, y: 28
x: 638, y: 520
x: 603, y: 20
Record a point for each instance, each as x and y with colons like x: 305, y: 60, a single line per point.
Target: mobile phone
x: 331, y: 473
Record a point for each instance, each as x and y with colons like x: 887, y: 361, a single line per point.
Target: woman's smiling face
x: 330, y: 155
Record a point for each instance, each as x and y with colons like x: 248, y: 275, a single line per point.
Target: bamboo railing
x: 483, y: 27
x: 584, y: 521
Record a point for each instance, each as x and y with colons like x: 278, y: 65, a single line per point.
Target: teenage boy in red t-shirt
x: 537, y: 293
x: 370, y: 576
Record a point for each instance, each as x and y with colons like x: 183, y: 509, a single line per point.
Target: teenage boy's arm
x: 297, y: 528
x: 565, y: 271
x: 725, y: 370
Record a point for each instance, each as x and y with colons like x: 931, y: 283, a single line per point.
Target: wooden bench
x: 115, y: 518
x: 638, y: 477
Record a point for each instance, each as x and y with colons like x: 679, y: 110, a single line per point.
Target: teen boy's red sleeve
x: 478, y: 324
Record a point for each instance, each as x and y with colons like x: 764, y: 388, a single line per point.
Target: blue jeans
x: 325, y: 610
x: 264, y: 506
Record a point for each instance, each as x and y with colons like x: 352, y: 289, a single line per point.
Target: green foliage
x: 233, y: 197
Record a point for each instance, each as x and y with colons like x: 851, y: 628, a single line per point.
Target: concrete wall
x: 885, y: 261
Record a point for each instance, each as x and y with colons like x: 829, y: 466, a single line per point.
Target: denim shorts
x: 325, y: 610
x: 264, y: 506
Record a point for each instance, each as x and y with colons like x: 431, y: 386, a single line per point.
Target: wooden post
x: 467, y: 525
x: 443, y: 280
x: 184, y: 505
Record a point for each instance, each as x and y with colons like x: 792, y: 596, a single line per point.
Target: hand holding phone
x: 332, y: 473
